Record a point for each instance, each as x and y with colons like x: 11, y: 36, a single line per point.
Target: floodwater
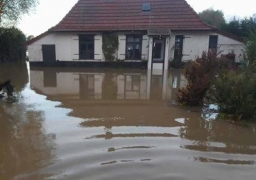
x: 110, y: 124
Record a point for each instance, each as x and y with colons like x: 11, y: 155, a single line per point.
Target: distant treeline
x: 12, y: 45
x: 240, y: 27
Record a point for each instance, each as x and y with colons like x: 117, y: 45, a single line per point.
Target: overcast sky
x: 49, y: 12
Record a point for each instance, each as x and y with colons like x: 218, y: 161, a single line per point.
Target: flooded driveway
x: 77, y: 124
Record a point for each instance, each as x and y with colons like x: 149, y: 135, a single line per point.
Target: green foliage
x: 199, y: 75
x: 234, y: 93
x: 241, y: 28
x: 250, y: 50
x: 12, y: 45
x: 110, y: 46
x: 212, y: 17
x: 11, y: 10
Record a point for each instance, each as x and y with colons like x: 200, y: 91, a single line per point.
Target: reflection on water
x: 25, y: 148
x: 118, y: 124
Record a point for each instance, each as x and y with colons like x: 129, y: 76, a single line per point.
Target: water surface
x: 76, y: 124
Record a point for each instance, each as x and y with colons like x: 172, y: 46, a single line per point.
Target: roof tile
x: 96, y: 15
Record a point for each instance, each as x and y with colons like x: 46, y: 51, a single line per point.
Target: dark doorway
x: 49, y: 54
x: 158, y: 50
x: 178, y: 51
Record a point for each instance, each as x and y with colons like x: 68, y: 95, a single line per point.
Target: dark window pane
x: 86, y: 47
x: 133, y: 47
x: 213, y: 42
x: 130, y: 39
x: 137, y: 39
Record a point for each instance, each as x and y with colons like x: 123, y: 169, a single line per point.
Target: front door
x: 158, y: 50
x: 178, y: 51
x: 158, y: 54
x: 49, y: 54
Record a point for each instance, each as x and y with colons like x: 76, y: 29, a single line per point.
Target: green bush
x: 250, y: 49
x: 199, y: 75
x: 12, y: 45
x: 235, y: 94
x: 110, y: 46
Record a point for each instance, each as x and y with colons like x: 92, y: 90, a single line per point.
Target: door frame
x: 178, y: 61
x: 164, y: 44
x: 44, y: 58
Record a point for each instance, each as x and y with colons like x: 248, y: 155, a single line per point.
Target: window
x: 146, y: 7
x: 133, y: 47
x: 213, y: 42
x: 86, y: 47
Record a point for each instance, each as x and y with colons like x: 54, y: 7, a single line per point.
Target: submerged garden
x: 215, y: 80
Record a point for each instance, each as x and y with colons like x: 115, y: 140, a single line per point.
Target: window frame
x: 133, y: 43
x: 213, y: 48
x: 82, y: 41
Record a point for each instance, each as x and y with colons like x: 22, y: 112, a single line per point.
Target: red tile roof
x: 97, y: 15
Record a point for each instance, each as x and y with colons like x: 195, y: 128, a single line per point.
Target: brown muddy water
x: 79, y: 124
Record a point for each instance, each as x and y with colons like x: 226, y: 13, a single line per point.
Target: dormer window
x: 146, y: 7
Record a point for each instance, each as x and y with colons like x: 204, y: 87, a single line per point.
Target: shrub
x: 110, y: 45
x: 199, y: 75
x: 250, y: 49
x: 234, y: 93
x: 12, y: 45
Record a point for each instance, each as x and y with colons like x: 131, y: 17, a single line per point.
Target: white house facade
x: 155, y: 43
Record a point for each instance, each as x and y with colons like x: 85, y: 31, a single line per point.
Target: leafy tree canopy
x: 241, y: 27
x: 213, y: 17
x: 11, y: 10
x: 12, y: 45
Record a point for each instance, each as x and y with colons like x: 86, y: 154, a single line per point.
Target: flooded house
x: 150, y: 34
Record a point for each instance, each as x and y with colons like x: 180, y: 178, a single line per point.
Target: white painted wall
x: 121, y: 47
x: 145, y: 47
x: 67, y: 47
x: 98, y: 53
x: 195, y: 43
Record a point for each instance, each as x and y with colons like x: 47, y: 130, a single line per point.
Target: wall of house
x: 66, y: 45
x: 195, y: 43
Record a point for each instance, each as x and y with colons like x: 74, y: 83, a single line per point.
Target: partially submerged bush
x: 235, y: 94
x: 199, y: 75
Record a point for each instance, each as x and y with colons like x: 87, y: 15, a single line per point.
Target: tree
x: 30, y: 37
x: 212, y: 17
x: 12, y: 45
x: 11, y: 10
x: 242, y: 27
x: 233, y: 27
x: 250, y: 50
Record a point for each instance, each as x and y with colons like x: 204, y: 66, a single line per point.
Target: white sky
x: 49, y: 12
